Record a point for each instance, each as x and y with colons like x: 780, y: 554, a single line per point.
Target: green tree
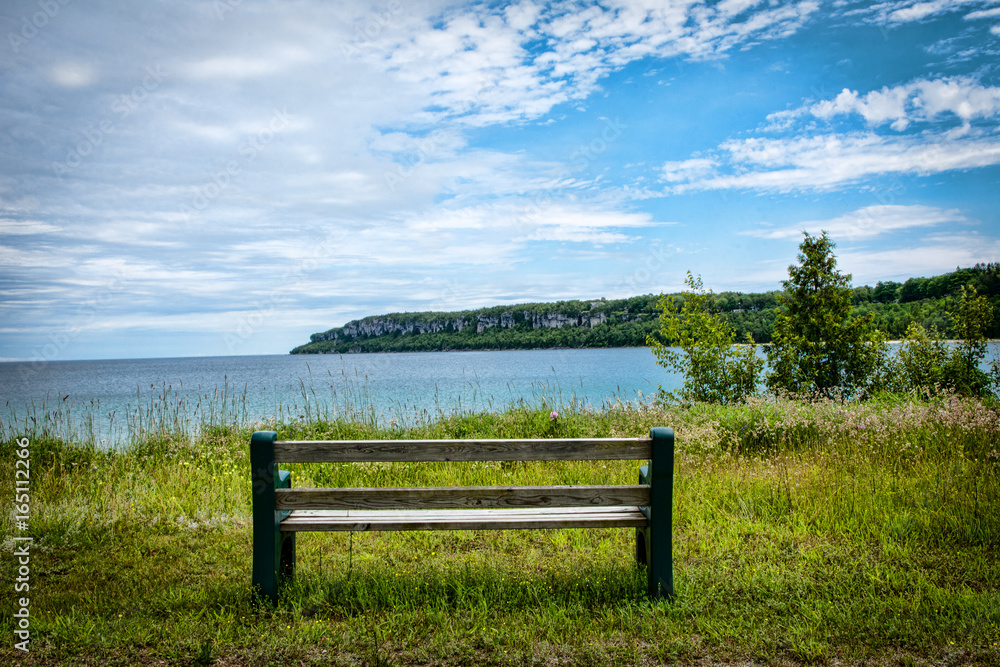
x: 714, y: 369
x: 886, y: 292
x: 928, y: 364
x: 923, y: 359
x: 970, y: 322
x: 817, y: 348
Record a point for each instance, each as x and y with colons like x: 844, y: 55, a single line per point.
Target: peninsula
x: 627, y: 322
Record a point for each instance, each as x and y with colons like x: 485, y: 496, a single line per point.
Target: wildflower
x: 553, y: 416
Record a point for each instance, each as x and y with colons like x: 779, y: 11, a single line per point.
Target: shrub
x: 928, y: 364
x: 714, y: 369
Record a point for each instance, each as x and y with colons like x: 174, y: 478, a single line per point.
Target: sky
x: 228, y: 177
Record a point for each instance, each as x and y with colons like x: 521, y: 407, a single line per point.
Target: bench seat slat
x: 373, y: 520
x: 435, y: 515
x: 362, y: 451
x: 462, y: 497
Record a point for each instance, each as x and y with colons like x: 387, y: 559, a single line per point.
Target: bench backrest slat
x: 362, y: 451
x: 462, y: 497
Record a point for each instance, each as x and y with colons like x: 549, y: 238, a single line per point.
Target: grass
x: 805, y: 533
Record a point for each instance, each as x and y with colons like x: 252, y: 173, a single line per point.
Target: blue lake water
x: 103, y: 394
x: 100, y: 400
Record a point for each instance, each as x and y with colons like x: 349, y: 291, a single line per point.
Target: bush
x: 928, y: 364
x: 714, y: 369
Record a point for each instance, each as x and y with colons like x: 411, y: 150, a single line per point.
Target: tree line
x: 826, y: 342
x: 891, y: 307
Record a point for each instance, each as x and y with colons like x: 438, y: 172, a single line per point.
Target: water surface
x: 100, y: 394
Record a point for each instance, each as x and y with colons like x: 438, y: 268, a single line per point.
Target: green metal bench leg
x: 273, y: 551
x: 658, y: 535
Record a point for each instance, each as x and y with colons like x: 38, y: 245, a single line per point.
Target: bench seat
x: 475, y: 519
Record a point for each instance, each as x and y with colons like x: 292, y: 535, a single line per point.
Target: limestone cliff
x: 381, y: 325
x: 475, y: 329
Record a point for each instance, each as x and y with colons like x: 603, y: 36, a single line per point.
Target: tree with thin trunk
x: 817, y: 348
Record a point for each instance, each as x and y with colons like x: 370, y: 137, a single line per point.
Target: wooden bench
x: 280, y: 511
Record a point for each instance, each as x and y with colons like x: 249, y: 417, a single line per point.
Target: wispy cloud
x: 935, y: 254
x: 906, y: 11
x: 984, y: 14
x: 867, y: 222
x: 829, y: 161
x: 808, y: 160
x: 487, y: 68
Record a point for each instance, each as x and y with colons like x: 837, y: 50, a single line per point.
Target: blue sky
x: 186, y: 179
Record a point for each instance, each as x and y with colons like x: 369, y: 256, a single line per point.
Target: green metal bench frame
x: 279, y: 511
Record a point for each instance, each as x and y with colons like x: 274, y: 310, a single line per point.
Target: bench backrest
x: 363, y: 451
x: 542, y: 449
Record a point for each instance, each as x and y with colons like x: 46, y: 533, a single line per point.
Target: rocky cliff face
x: 370, y: 327
x: 386, y: 324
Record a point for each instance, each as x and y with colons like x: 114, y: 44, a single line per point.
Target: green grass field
x: 804, y: 533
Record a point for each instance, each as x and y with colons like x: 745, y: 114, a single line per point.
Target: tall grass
x: 804, y: 533
x: 184, y: 414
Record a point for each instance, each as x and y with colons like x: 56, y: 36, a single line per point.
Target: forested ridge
x: 627, y: 322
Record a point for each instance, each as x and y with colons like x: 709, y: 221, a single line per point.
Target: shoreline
x: 949, y: 341
x: 475, y: 349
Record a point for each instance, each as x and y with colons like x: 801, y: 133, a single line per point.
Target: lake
x: 101, y: 397
x: 99, y: 400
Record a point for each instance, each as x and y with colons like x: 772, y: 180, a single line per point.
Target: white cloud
x: 687, y: 170
x: 920, y: 10
x: 236, y: 67
x: 907, y: 11
x: 934, y: 255
x: 486, y: 68
x: 827, y: 161
x: 921, y: 100
x: 73, y: 74
x: 215, y: 133
x: 17, y: 258
x: 579, y: 225
x: 984, y: 14
x: 24, y: 227
x: 491, y: 234
x: 780, y: 121
x: 868, y: 222
x: 869, y: 263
